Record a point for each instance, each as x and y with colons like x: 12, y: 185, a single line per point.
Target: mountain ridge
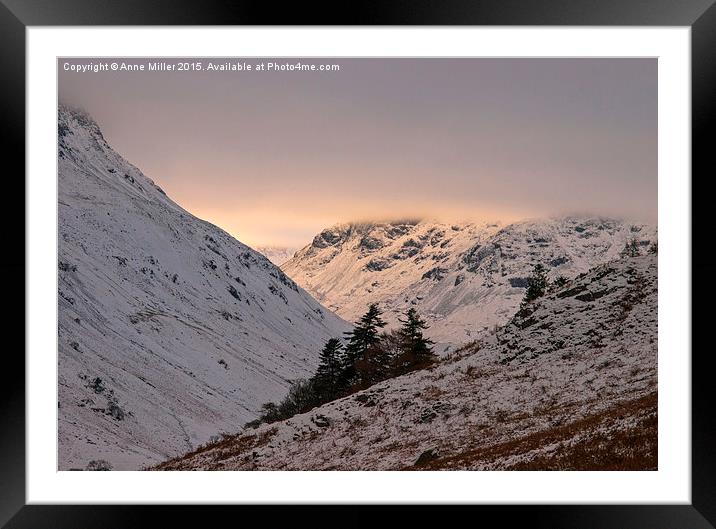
x: 170, y: 330
x: 464, y: 278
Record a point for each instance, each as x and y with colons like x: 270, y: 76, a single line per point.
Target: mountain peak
x: 462, y: 277
x: 340, y: 233
x: 169, y: 329
x: 70, y: 117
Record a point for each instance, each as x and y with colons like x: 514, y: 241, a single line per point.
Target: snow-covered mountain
x: 277, y: 254
x: 170, y: 330
x: 463, y: 278
x: 569, y: 383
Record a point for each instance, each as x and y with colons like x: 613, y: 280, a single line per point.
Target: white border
x: 671, y: 483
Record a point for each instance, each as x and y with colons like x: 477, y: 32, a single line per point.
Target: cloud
x: 275, y: 158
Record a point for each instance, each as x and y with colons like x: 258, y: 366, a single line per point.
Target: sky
x: 274, y: 157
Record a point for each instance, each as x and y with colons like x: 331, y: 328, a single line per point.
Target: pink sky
x: 273, y: 158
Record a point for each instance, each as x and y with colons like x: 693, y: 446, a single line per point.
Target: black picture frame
x: 16, y: 15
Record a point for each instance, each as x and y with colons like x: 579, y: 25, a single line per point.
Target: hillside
x: 569, y: 383
x: 464, y: 278
x: 276, y: 254
x: 170, y: 330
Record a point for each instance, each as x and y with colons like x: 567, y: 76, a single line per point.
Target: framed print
x: 419, y: 255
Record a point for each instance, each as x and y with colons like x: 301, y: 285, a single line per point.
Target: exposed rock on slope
x: 569, y: 383
x: 170, y: 330
x: 463, y: 278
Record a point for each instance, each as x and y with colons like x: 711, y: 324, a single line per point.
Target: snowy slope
x: 277, y: 254
x: 463, y: 278
x: 569, y: 383
x: 170, y: 330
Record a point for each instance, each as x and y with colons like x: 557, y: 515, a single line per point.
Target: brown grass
x: 228, y: 447
x: 623, y: 437
x: 602, y: 441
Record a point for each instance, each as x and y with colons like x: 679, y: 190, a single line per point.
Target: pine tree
x: 415, y: 348
x: 269, y: 412
x: 536, y: 285
x: 329, y: 369
x: 364, y: 335
x: 373, y: 366
x: 301, y: 397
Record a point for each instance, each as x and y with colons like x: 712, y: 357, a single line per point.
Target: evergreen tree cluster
x: 369, y: 356
x: 538, y: 285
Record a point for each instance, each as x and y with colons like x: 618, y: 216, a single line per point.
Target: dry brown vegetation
x: 624, y: 437
x: 229, y: 446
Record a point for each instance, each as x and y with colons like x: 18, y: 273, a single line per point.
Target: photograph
x: 399, y: 255
x: 357, y: 263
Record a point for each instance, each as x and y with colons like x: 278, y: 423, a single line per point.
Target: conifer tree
x: 415, y: 348
x: 536, y: 285
x: 329, y: 369
x: 412, y: 334
x: 364, y: 335
x: 373, y: 366
x: 269, y: 412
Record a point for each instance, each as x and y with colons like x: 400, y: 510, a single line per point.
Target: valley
x: 569, y: 383
x: 173, y: 335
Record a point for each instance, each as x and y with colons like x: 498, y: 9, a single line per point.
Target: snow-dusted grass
x: 623, y: 437
x: 586, y: 352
